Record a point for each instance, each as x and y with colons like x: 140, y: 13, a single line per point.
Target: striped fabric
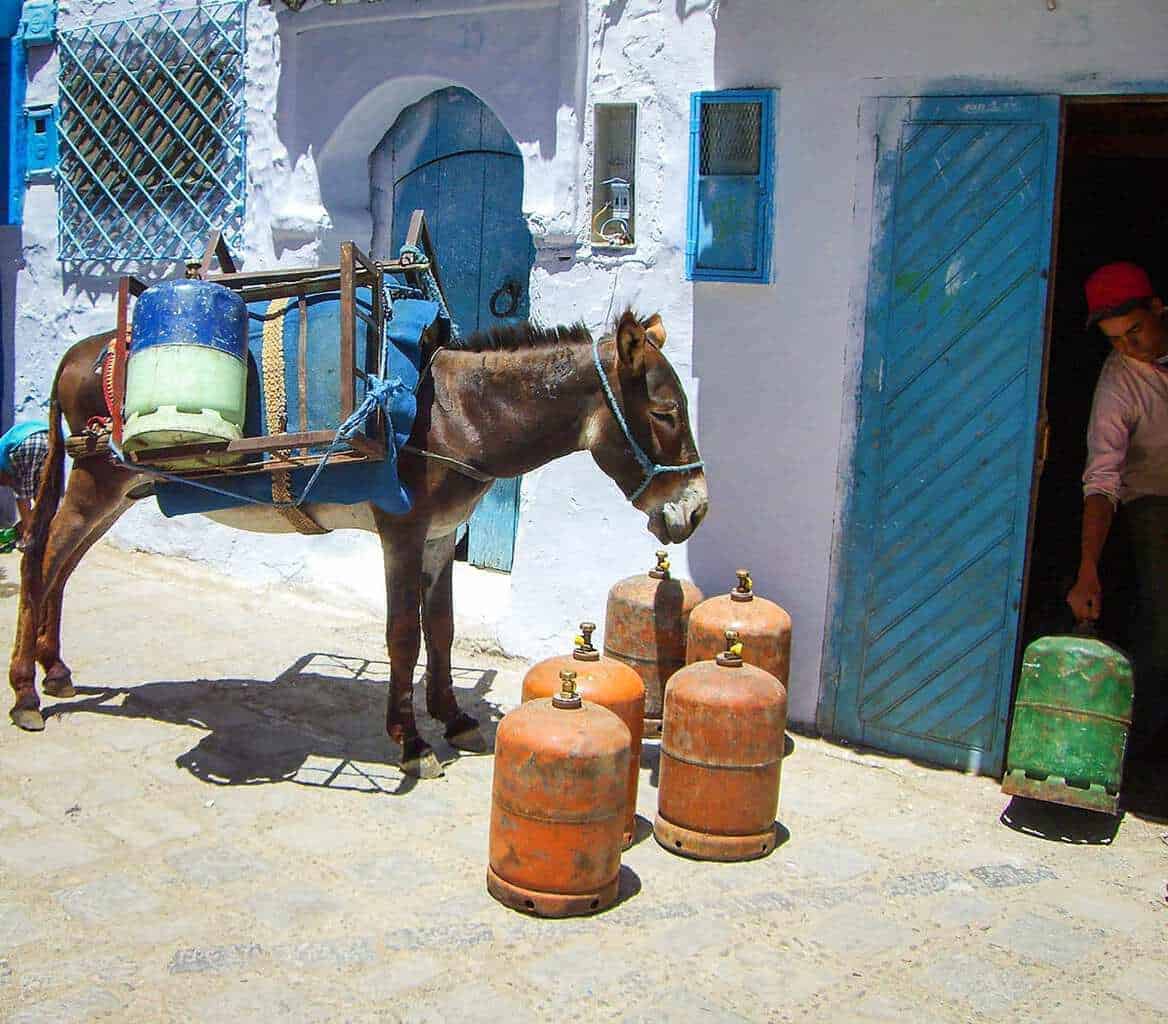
x: 27, y: 459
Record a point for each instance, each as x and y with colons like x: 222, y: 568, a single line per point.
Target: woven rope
x: 276, y: 402
x: 107, y: 377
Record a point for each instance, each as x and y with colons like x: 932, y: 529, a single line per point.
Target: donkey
x: 495, y: 404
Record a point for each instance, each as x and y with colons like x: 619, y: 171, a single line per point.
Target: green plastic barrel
x: 1072, y: 714
x: 186, y: 378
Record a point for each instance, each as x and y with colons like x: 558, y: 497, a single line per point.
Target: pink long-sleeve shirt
x: 1127, y: 438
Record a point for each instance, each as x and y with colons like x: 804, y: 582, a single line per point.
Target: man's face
x: 1140, y: 334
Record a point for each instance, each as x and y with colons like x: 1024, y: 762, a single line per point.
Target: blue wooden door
x: 454, y: 159
x: 934, y: 549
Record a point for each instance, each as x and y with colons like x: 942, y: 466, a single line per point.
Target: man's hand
x: 1086, y: 596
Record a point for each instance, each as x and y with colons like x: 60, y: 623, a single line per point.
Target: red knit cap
x: 1114, y: 289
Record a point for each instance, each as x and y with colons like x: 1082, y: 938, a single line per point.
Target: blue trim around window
x: 12, y: 130
x: 729, y: 224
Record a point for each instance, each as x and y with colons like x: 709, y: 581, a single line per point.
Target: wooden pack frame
x: 290, y: 450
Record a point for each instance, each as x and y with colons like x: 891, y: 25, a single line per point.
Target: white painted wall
x: 775, y: 362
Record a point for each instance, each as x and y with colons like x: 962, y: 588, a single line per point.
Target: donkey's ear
x: 655, y: 330
x: 630, y: 345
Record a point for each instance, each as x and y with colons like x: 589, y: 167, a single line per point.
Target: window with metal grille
x: 728, y: 235
x: 152, y: 134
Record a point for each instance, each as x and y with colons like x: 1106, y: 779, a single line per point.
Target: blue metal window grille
x: 151, y: 134
x: 731, y: 174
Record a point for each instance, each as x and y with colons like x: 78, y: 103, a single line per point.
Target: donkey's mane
x: 517, y: 337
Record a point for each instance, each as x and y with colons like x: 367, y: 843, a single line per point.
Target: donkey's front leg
x: 401, y: 548
x: 462, y: 731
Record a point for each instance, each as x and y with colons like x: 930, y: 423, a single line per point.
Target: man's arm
x: 24, y: 509
x: 1086, y: 596
x: 1108, y: 435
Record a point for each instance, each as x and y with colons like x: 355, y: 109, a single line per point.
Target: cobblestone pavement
x: 214, y: 830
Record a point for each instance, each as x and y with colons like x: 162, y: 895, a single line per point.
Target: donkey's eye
x: 664, y: 411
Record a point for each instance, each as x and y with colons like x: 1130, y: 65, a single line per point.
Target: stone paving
x: 214, y: 830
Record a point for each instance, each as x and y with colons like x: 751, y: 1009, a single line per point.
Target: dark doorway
x: 1112, y: 207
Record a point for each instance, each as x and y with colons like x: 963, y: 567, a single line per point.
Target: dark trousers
x: 1147, y: 525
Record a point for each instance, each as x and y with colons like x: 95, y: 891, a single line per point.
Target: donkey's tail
x: 48, y: 497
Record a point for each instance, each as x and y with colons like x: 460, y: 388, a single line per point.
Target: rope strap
x: 276, y: 406
x: 650, y: 468
x: 421, y: 266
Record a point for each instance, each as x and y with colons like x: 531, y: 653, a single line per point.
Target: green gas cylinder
x: 186, y: 377
x: 1071, y: 720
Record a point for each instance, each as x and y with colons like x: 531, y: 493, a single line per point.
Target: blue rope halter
x: 650, y: 468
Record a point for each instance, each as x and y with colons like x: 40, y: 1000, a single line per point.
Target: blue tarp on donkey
x: 347, y: 483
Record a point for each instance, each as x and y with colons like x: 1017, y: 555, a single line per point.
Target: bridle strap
x: 650, y: 468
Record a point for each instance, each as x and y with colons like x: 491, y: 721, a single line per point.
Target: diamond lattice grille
x: 152, y: 134
x: 731, y: 138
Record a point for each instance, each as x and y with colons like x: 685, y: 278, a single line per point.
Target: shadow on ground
x: 1144, y: 792
x: 1060, y: 824
x: 320, y: 722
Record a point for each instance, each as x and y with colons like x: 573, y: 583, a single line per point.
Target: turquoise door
x: 922, y: 652
x: 450, y: 156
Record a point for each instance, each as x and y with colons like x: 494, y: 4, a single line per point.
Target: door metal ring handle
x: 513, y: 290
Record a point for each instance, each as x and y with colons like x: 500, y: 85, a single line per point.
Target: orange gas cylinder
x: 558, y: 805
x: 764, y: 628
x: 721, y: 752
x: 645, y: 628
x: 604, y: 681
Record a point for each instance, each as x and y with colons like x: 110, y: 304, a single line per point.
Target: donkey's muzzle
x: 683, y: 516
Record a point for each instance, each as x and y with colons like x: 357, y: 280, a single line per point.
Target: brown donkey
x: 503, y: 402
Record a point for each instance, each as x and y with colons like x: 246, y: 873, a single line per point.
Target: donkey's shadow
x: 320, y: 722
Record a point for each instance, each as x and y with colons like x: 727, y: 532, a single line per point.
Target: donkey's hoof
x: 28, y: 719
x: 59, y: 686
x: 464, y: 735
x: 425, y: 766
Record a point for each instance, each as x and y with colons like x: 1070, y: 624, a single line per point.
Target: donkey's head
x: 640, y: 435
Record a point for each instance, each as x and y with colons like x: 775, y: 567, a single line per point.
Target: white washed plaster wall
x: 778, y: 364
x: 577, y: 534
x: 305, y: 122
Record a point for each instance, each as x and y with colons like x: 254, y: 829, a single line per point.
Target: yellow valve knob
x: 731, y: 657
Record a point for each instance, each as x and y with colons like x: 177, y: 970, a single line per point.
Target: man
x: 1127, y: 465
x: 22, y: 457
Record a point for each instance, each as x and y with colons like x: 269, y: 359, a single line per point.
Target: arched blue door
x: 450, y: 156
